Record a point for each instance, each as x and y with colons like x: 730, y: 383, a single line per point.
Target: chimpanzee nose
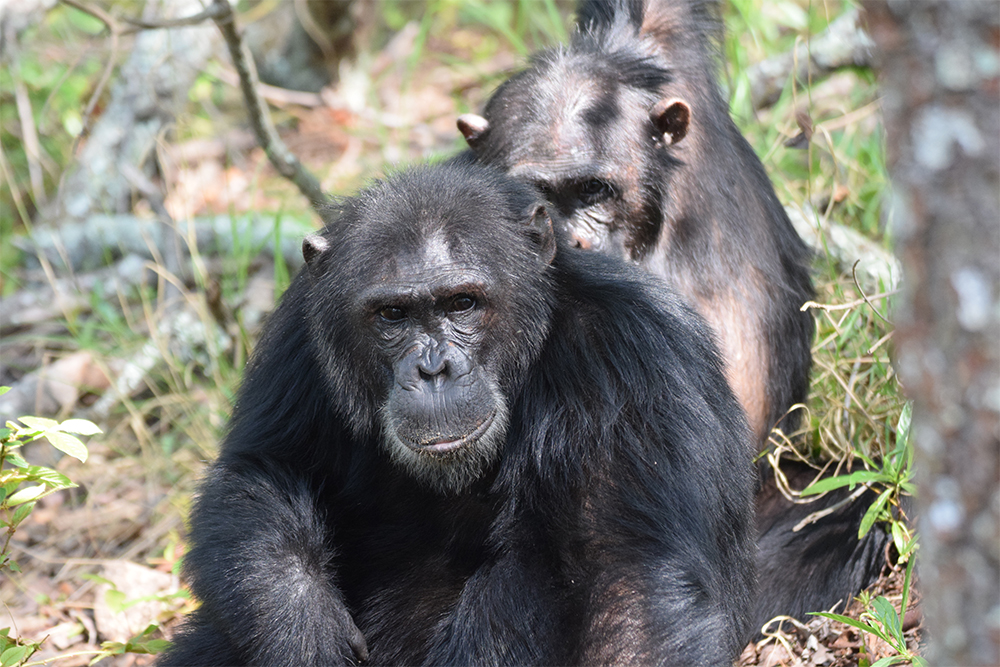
x: 432, y: 362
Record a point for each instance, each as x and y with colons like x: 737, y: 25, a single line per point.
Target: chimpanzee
x: 626, y: 131
x: 628, y: 134
x: 462, y: 441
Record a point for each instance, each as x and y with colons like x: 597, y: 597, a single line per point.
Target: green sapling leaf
x: 67, y: 444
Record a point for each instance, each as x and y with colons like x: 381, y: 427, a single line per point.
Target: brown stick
x: 283, y: 160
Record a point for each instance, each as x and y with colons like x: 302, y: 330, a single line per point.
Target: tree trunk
x: 940, y: 69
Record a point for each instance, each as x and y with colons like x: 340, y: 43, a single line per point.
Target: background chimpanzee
x: 456, y: 444
x: 628, y: 134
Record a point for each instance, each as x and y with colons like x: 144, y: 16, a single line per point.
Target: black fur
x: 613, y: 526
x: 699, y: 210
x: 819, y: 566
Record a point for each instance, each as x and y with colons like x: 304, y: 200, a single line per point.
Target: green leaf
x: 4, y: 390
x: 38, y: 423
x: 906, y: 586
x: 115, y: 600
x: 67, y: 444
x: 26, y: 494
x: 903, y: 425
x: 155, y: 646
x: 889, y: 660
x: 868, y: 520
x: 918, y: 661
x: 856, y: 477
x: 5, y: 433
x: 899, y: 537
x: 112, y: 648
x: 80, y: 427
x: 16, y: 460
x: 21, y: 512
x: 13, y: 655
x: 97, y: 578
x: 889, y: 618
x: 150, y: 629
x: 54, y: 480
x: 847, y: 620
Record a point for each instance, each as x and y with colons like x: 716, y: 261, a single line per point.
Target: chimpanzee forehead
x: 430, y: 269
x: 458, y: 228
x: 577, y: 120
x: 446, y: 219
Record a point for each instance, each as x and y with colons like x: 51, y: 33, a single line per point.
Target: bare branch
x: 277, y: 152
x: 97, y: 13
x: 843, y: 44
x: 212, y: 12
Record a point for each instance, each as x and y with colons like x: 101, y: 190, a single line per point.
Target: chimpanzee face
x: 444, y: 417
x: 417, y: 318
x: 591, y: 140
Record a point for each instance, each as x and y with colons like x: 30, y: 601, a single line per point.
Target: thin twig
x: 32, y: 147
x: 96, y: 12
x: 283, y: 160
x: 816, y: 516
x: 211, y: 12
x: 854, y: 274
x: 847, y: 306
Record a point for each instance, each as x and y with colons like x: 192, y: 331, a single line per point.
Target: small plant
x: 22, y: 486
x: 141, y: 643
x: 892, y: 479
x: 881, y: 619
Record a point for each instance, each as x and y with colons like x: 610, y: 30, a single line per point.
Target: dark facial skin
x: 573, y: 138
x: 443, y: 419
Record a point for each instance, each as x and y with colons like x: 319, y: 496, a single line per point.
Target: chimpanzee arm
x: 261, y: 568
x: 672, y: 573
x: 664, y: 615
x: 511, y: 612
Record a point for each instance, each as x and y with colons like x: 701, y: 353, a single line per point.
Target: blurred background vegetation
x: 153, y: 352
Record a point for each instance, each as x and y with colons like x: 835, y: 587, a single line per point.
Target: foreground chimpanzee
x: 458, y: 443
x: 627, y: 133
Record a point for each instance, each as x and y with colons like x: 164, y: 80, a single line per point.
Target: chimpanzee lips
x: 448, y: 444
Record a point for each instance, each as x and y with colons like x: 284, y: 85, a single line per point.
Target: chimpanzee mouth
x: 442, y: 446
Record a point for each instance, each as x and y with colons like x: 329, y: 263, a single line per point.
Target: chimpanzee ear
x: 541, y: 231
x: 313, y: 246
x: 672, y: 118
x: 472, y: 127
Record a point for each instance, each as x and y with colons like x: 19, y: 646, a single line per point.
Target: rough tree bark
x: 940, y: 69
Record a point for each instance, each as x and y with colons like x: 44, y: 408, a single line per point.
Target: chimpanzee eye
x: 462, y: 303
x: 545, y: 189
x: 594, y: 191
x: 392, y: 313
